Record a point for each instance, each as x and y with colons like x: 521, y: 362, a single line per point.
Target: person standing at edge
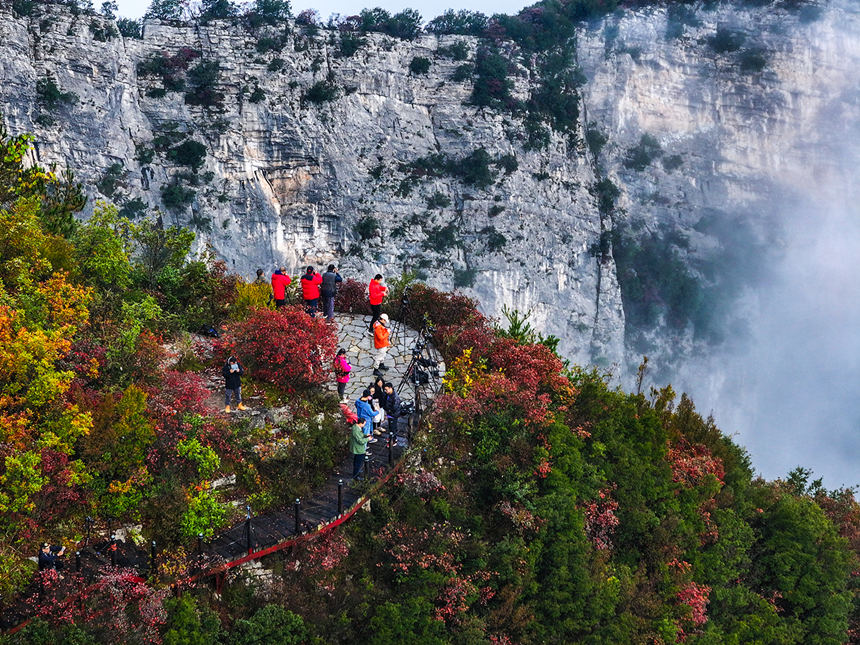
x: 311, y: 281
x: 261, y: 278
x: 342, y: 368
x: 328, y: 290
x: 376, y: 292
x: 280, y: 282
x: 381, y: 343
x: 232, y: 372
x: 358, y: 446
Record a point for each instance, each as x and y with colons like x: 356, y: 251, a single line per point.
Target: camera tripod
x: 401, y: 334
x: 422, y: 374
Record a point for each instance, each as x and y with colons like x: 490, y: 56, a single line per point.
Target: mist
x: 789, y: 389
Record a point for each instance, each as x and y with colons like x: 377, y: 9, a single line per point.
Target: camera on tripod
x: 426, y: 362
x: 419, y: 377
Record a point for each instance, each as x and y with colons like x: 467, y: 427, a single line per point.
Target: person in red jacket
x: 311, y: 281
x: 280, y: 282
x: 377, y: 292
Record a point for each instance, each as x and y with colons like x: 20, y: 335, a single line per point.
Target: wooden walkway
x: 329, y: 503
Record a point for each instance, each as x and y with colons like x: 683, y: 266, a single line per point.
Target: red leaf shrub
x: 180, y: 393
x: 695, y: 596
x: 600, y: 520
x: 692, y: 463
x: 352, y: 298
x: 533, y: 367
x: 286, y: 348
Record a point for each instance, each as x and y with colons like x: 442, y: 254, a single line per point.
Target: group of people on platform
x: 379, y: 401
x: 316, y: 287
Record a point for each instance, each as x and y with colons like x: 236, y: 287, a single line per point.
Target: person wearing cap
x: 364, y: 410
x: 328, y: 290
x: 376, y: 292
x: 358, y: 446
x: 311, y: 281
x: 280, y: 282
x: 381, y: 342
x: 49, y: 557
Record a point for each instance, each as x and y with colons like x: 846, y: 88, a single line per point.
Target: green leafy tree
x: 166, y: 9
x: 189, y: 624
x: 271, y: 624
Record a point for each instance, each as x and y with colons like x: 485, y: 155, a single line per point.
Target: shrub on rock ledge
x: 286, y: 348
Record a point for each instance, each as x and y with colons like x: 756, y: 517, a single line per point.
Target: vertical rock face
x: 747, y: 115
x: 289, y: 180
x: 714, y: 119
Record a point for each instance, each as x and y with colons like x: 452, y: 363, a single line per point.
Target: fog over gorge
x: 765, y: 213
x: 790, y: 388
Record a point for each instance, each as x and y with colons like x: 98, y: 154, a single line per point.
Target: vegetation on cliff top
x: 542, y: 506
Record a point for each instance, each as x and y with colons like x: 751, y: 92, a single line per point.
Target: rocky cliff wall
x: 750, y: 115
x: 292, y: 181
x: 714, y: 118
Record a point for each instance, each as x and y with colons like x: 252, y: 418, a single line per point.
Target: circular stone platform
x: 354, y: 337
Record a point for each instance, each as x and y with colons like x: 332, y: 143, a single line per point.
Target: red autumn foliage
x: 528, y: 376
x: 692, y: 463
x: 61, y: 496
x: 600, y: 520
x: 534, y: 367
x: 695, y: 596
x: 180, y: 393
x: 352, y: 297
x: 286, y: 348
x: 453, y: 315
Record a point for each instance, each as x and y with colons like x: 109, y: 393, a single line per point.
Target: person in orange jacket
x: 311, y: 281
x: 377, y: 292
x: 280, y: 282
x: 381, y: 342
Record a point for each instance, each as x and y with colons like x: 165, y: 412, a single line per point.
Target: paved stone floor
x: 356, y: 339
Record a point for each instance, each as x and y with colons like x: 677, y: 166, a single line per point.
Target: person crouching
x: 232, y: 372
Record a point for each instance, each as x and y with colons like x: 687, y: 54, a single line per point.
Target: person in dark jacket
x: 49, y: 557
x: 311, y: 281
x: 232, y: 372
x: 261, y: 277
x: 328, y: 290
x: 391, y: 405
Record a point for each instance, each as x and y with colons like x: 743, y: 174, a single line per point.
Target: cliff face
x: 290, y: 177
x: 751, y: 120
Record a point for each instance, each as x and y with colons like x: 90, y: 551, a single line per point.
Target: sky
x: 136, y: 8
